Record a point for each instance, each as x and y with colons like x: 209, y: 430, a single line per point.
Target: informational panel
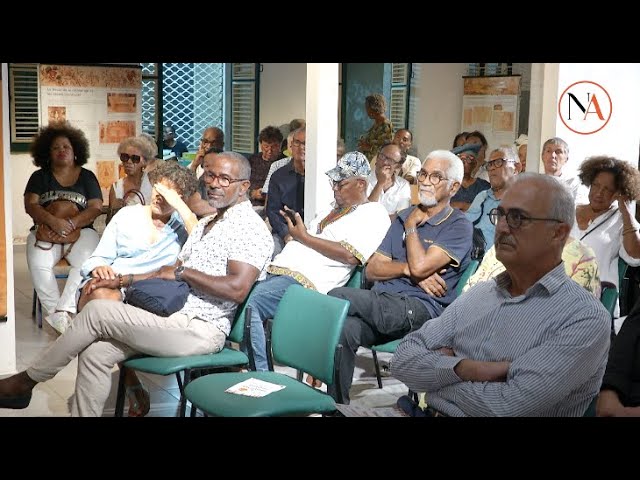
x: 105, y: 102
x: 3, y: 233
x: 491, y: 106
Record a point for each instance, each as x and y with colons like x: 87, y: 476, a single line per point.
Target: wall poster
x: 491, y: 105
x: 105, y: 102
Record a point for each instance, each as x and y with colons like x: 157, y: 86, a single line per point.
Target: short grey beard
x: 427, y: 202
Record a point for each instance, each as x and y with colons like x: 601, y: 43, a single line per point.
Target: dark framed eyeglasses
x: 207, y: 141
x: 338, y: 185
x: 298, y: 143
x: 125, y: 157
x: 515, y: 217
x: 497, y: 163
x: 385, y: 158
x: 223, y: 180
x: 434, y: 178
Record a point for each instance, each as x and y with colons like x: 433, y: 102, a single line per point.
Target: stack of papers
x: 254, y: 388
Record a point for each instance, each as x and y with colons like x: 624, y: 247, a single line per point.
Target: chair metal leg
x: 377, y: 365
x: 33, y: 304
x: 181, y: 384
x: 38, y: 313
x: 121, y: 394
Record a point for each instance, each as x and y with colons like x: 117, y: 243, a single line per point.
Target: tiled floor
x: 51, y: 399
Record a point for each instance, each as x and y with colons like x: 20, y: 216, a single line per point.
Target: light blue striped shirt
x: 556, y: 337
x: 125, y: 246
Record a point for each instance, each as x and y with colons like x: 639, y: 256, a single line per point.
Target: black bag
x: 159, y: 296
x: 479, y: 243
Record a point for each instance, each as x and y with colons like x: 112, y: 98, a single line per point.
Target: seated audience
x: 470, y: 186
x: 411, y: 165
x: 171, y: 142
x: 478, y: 138
x: 384, y: 185
x: 555, y: 155
x: 325, y: 255
x: 199, y: 201
x: 212, y: 137
x: 530, y: 342
x: 428, y: 238
x: 270, y: 140
x: 221, y: 260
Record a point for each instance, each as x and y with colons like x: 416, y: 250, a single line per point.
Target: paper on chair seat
x: 254, y: 388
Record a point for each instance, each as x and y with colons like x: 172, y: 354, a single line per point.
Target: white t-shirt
x: 396, y: 198
x: 360, y: 232
x: 145, y: 188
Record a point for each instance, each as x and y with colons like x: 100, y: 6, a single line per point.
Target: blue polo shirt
x: 450, y: 231
x: 490, y: 202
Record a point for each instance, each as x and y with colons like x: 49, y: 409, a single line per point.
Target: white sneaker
x: 59, y: 321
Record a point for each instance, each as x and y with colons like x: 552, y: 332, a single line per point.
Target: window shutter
x: 243, y: 107
x: 23, y: 103
x: 399, y: 105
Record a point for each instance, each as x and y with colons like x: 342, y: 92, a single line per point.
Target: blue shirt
x: 490, y: 202
x: 468, y: 194
x: 127, y: 251
x: 286, y: 187
x: 450, y: 231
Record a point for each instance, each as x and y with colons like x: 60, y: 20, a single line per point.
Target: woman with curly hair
x: 141, y: 239
x: 611, y: 231
x: 381, y: 131
x: 60, y: 150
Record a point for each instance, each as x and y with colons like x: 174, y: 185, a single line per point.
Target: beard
x: 427, y: 201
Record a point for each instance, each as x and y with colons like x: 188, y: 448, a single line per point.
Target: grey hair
x: 244, y: 167
x: 142, y: 143
x: 556, y: 141
x: 455, y: 171
x: 563, y: 206
x: 508, y: 152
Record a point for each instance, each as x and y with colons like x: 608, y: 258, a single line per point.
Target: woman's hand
x: 171, y: 196
x: 60, y: 226
x: 104, y: 272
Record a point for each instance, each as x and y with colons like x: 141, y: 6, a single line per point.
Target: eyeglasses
x: 338, y: 185
x: 223, y: 180
x: 298, y: 143
x: 434, y: 178
x: 125, y: 157
x: 497, y: 163
x: 207, y: 141
x: 515, y: 217
x: 385, y: 158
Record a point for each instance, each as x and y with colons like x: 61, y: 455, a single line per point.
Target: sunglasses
x: 125, y: 157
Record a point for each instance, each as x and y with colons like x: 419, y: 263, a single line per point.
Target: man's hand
x: 434, y: 285
x: 167, y: 273
x: 385, y: 176
x: 298, y: 231
x: 447, y: 351
x: 415, y: 218
x: 95, y: 283
x: 104, y: 272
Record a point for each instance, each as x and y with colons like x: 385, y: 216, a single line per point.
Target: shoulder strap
x: 601, y: 223
x: 477, y: 220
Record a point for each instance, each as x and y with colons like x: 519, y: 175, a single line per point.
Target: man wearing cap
x: 385, y: 185
x: 324, y: 256
x: 431, y: 237
x: 470, y: 186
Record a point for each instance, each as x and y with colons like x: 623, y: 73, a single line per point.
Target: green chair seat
x: 389, y: 347
x: 227, y: 357
x: 296, y: 398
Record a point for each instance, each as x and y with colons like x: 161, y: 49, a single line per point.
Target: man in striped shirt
x: 530, y: 342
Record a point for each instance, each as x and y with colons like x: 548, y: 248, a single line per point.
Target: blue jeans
x: 264, y: 301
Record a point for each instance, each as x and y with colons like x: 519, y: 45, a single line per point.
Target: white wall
x: 282, y: 93
x: 436, y: 93
x: 21, y: 169
x: 8, y: 328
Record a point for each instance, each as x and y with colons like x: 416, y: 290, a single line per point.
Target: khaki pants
x: 106, y: 332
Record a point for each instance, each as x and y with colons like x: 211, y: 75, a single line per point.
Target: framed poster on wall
x: 491, y: 105
x: 105, y: 102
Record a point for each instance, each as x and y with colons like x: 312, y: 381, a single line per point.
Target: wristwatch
x: 178, y: 272
x: 410, y: 230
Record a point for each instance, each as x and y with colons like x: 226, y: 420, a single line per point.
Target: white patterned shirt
x: 274, y: 166
x: 240, y: 235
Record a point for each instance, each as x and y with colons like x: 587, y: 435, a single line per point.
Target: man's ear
x: 454, y: 188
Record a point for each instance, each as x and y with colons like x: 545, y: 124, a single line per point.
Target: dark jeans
x: 374, y: 318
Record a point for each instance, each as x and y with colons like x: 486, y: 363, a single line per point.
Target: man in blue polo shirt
x: 431, y: 237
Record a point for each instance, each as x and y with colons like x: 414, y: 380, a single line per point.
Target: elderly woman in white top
x: 610, y: 230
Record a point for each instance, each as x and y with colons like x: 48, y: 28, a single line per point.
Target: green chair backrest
x: 622, y: 270
x: 609, y: 297
x: 466, y: 275
x: 356, y: 278
x: 306, y: 329
x: 237, y: 329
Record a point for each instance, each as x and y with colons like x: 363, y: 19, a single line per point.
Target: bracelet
x: 73, y: 225
x: 410, y: 230
x: 120, y: 281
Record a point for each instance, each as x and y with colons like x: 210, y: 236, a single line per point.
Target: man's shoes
x: 59, y: 321
x: 16, y: 402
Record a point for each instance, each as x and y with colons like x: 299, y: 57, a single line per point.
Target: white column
x: 322, y: 135
x: 543, y: 111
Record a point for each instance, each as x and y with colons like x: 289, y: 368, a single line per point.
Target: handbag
x: 60, y: 209
x: 126, y: 202
x: 158, y: 296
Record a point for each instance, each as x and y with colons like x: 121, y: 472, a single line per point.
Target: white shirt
x: 240, y: 235
x: 360, y: 232
x: 145, y: 189
x: 411, y: 166
x: 274, y: 166
x: 396, y: 198
x: 579, y: 192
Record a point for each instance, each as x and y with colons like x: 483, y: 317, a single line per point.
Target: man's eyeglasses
x: 385, y: 158
x: 207, y: 141
x: 125, y: 157
x: 497, y: 163
x: 338, y: 185
x: 223, y: 180
x: 434, y: 178
x: 298, y: 143
x: 515, y: 217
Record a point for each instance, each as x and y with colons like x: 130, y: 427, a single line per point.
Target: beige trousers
x: 106, y: 332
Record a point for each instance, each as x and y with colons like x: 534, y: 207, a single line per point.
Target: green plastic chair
x: 305, y: 333
x: 390, y: 347
x: 357, y: 277
x: 187, y: 367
